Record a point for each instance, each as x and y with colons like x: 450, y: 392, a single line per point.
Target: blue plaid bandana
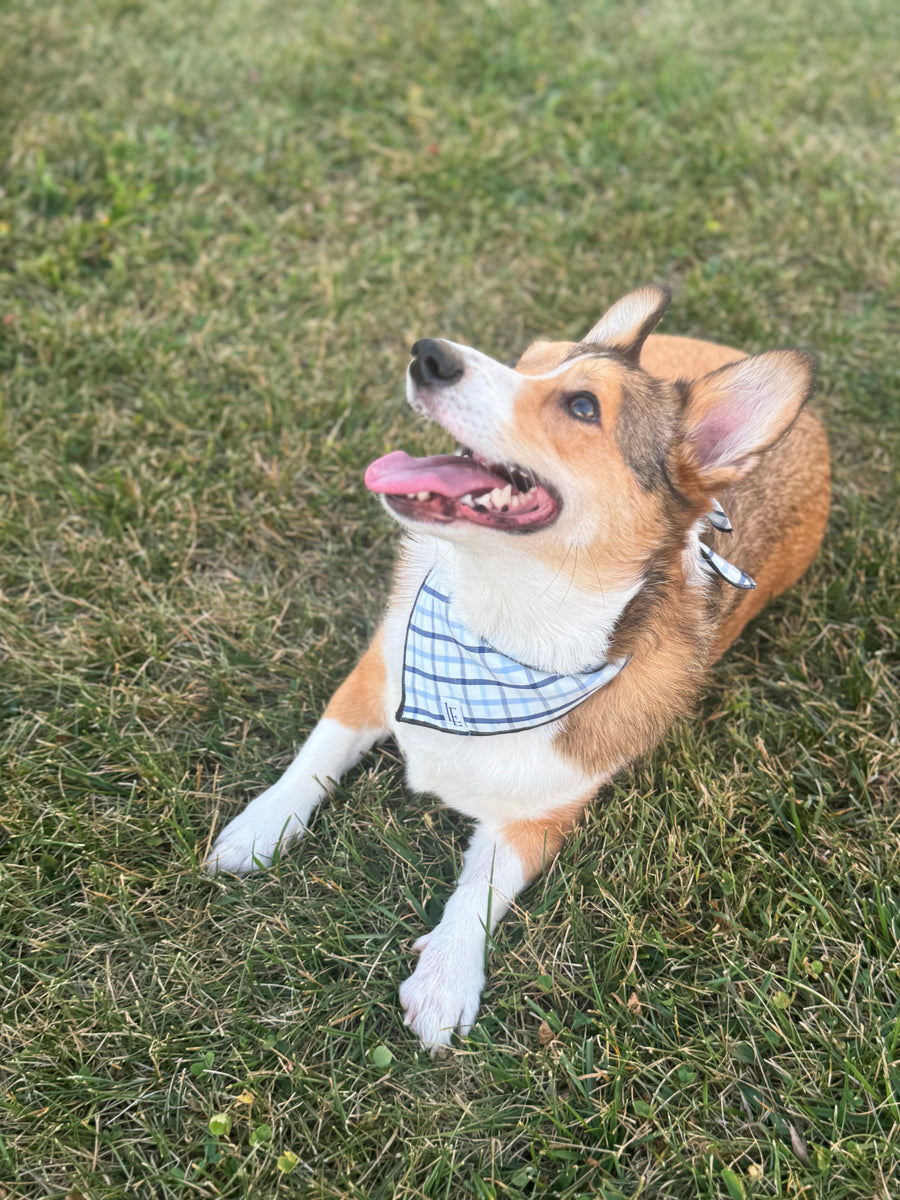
x: 455, y: 682
x: 724, y: 569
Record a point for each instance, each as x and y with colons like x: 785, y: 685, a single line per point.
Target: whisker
x: 558, y: 573
x: 596, y: 572
x: 571, y: 579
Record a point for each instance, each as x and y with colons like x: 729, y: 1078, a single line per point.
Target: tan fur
x: 669, y: 357
x: 359, y: 701
x: 778, y: 510
x: 629, y: 716
x: 779, y: 539
x: 537, y: 842
x: 545, y: 433
x: 542, y: 357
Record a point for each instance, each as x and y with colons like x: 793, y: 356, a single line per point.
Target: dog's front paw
x: 253, y: 839
x: 441, y: 996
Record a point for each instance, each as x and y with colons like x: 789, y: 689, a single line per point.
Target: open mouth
x: 464, y: 487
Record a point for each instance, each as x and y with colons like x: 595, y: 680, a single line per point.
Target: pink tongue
x: 446, y: 474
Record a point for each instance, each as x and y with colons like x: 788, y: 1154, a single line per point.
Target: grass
x: 221, y: 226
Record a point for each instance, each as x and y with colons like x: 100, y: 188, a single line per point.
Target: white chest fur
x: 510, y: 776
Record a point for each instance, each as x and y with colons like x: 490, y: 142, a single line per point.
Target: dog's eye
x: 584, y: 406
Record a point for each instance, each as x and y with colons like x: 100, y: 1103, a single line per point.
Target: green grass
x: 221, y: 225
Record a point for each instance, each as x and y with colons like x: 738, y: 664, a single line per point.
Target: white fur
x: 476, y: 779
x: 441, y: 996
x: 478, y: 409
x: 560, y: 627
x: 522, y: 779
x: 281, y: 814
x: 475, y: 409
x: 695, y: 571
x: 494, y: 784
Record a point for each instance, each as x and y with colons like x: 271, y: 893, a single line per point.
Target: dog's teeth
x: 466, y: 499
x: 422, y: 495
x: 516, y: 500
x: 410, y: 495
x: 501, y: 496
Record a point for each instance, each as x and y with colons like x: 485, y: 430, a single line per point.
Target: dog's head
x: 578, y: 446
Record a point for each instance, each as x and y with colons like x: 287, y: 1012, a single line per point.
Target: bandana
x: 726, y: 570
x: 455, y: 682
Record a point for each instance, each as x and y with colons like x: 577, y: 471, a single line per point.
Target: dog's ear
x: 734, y: 414
x: 625, y: 327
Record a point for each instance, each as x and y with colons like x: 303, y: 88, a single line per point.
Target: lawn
x: 221, y: 226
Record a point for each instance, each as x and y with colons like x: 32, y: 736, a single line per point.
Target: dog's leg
x: 353, y: 721
x: 442, y: 994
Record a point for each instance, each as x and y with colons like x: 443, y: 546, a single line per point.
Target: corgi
x: 619, y: 509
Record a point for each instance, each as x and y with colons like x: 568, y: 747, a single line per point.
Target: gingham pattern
x: 726, y: 570
x: 718, y: 518
x: 455, y: 682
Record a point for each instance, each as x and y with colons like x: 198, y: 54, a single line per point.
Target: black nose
x: 436, y: 363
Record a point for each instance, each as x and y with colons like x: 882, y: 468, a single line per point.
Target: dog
x: 618, y: 510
